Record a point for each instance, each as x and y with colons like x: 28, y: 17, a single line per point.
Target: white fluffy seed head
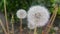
x: 21, y: 13
x: 38, y: 15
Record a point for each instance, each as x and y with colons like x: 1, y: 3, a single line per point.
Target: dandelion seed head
x: 21, y: 13
x: 38, y: 15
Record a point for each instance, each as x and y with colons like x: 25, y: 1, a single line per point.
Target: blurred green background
x: 14, y: 5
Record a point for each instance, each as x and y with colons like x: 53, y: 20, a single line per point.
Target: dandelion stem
x: 35, y: 30
x: 20, y: 26
x: 13, y: 28
x: 3, y: 27
x: 6, y: 16
x: 12, y: 24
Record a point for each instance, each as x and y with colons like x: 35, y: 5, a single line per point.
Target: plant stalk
x: 12, y: 20
x: 3, y: 27
x: 20, y: 26
x: 6, y: 16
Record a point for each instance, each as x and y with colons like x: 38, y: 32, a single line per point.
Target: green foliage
x: 59, y: 11
x: 52, y: 31
x: 14, y: 5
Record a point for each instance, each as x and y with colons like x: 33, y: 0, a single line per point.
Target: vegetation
x: 13, y: 5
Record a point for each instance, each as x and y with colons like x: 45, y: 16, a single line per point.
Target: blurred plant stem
x: 12, y: 21
x: 21, y: 26
x: 6, y: 16
x: 52, y: 19
x: 3, y: 27
x: 47, y: 30
x: 35, y: 30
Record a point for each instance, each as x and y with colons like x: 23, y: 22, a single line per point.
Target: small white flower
x: 21, y: 13
x: 38, y: 15
x: 56, y: 28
